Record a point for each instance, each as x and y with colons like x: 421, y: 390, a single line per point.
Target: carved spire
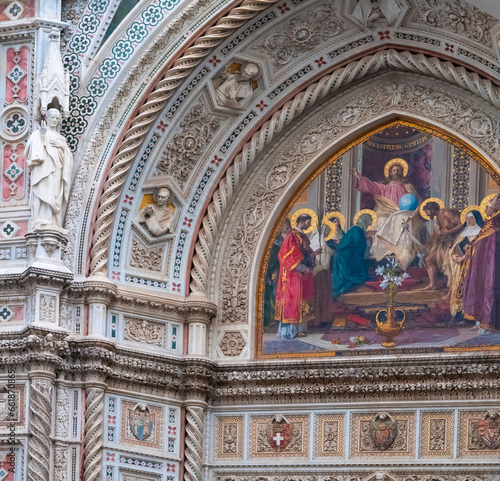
x: 52, y: 88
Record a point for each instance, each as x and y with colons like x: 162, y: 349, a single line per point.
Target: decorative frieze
x: 436, y: 434
x: 229, y: 437
x: 329, y: 435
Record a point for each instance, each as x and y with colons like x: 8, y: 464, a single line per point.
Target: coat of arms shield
x: 141, y: 422
x: 279, y: 433
x: 489, y: 429
x: 383, y: 431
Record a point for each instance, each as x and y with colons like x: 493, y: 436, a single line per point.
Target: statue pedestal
x: 45, y: 248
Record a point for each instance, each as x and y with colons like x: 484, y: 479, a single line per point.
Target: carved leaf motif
x: 437, y: 434
x: 146, y: 258
x: 147, y: 332
x: 301, y: 34
x: 458, y: 17
x: 182, y: 152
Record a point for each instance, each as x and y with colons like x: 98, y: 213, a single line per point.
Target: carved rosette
x: 194, y: 444
x: 40, y: 427
x: 94, y: 419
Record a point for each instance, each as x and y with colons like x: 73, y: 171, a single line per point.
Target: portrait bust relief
x: 158, y: 217
x: 236, y: 84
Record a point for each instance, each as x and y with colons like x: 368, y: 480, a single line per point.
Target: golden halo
x: 399, y: 161
x: 464, y: 213
x: 314, y: 221
x: 327, y: 220
x: 484, y: 204
x: 426, y: 201
x: 366, y: 211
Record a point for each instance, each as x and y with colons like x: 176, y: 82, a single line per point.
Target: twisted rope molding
x: 94, y: 419
x: 40, y: 427
x: 194, y: 444
x: 405, y: 61
x: 148, y: 114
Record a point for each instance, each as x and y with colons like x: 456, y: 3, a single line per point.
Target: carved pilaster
x: 193, y: 454
x: 94, y: 416
x: 40, y: 425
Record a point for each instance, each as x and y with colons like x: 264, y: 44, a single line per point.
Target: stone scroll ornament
x: 40, y: 427
x: 94, y: 419
x: 157, y: 99
x: 326, y: 86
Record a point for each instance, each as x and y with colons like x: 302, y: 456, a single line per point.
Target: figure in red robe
x: 295, y: 291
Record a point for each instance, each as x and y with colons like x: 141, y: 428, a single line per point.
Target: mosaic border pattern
x: 248, y: 31
x: 290, y: 81
x: 236, y: 132
x: 350, y: 46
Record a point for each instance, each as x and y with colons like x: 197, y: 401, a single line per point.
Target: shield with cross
x: 279, y: 433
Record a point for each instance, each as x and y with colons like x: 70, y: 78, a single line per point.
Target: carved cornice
x: 111, y: 293
x: 431, y: 378
x: 35, y: 276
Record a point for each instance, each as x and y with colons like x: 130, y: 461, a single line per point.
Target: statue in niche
x: 374, y: 13
x: 233, y: 87
x: 158, y: 217
x: 50, y: 162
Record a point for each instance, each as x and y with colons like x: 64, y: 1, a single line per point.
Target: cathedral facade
x: 249, y: 240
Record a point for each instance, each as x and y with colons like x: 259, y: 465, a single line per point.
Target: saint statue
x: 158, y: 217
x: 232, y: 90
x: 50, y: 162
x: 398, y: 231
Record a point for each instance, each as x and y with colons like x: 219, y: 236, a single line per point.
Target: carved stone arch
x: 301, y: 150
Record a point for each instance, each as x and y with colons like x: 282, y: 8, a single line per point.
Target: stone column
x: 40, y: 425
x: 94, y: 422
x: 200, y: 314
x: 193, y: 452
x: 98, y: 294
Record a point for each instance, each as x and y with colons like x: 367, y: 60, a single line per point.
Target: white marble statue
x: 232, y: 90
x: 158, y: 217
x: 50, y: 162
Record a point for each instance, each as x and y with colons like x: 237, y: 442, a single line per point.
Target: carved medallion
x: 383, y: 431
x: 489, y: 429
x: 141, y: 422
x: 279, y: 433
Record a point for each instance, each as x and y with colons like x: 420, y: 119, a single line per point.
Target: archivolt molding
x: 292, y: 110
x: 440, y: 104
x: 128, y: 148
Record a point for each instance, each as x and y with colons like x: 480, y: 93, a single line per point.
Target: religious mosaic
x: 381, y: 252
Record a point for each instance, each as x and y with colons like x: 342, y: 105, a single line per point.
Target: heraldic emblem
x: 141, y: 421
x: 383, y: 431
x: 489, y: 429
x: 279, y: 433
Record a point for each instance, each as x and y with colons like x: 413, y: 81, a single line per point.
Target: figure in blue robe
x: 348, y: 264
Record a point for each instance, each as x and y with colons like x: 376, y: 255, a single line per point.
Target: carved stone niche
x: 236, y: 84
